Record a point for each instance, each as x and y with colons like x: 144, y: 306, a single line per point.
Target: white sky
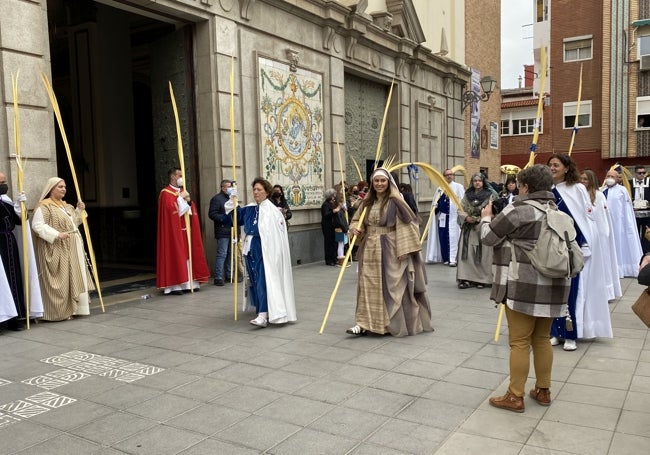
x: 516, y: 40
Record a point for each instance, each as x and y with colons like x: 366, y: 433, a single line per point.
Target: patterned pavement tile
x: 60, y: 361
x: 51, y: 399
x: 23, y: 408
x: 67, y: 375
x: 79, y: 355
x: 89, y: 368
x: 44, y: 382
x: 4, y: 382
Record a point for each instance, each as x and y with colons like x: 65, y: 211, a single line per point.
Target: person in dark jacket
x: 409, y: 197
x: 222, y: 226
x: 328, y: 211
x: 280, y: 201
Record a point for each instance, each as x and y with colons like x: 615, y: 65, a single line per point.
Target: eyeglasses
x: 449, y: 175
x: 640, y: 172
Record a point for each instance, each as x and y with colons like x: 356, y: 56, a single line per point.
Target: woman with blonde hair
x: 60, y: 256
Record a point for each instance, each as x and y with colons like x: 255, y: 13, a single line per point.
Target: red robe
x: 172, y: 250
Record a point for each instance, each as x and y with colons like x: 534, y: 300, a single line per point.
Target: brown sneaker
x: 542, y: 396
x: 509, y: 402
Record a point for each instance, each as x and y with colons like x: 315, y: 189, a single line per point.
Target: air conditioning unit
x: 644, y: 63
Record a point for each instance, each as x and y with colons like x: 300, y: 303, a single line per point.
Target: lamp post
x: 488, y: 84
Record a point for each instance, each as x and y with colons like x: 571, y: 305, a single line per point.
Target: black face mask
x: 4, y: 188
x: 277, y: 194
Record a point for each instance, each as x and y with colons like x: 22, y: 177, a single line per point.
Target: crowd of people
x: 543, y: 312
x: 487, y: 238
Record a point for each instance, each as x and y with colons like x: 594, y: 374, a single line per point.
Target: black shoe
x: 16, y: 325
x: 218, y: 282
x: 176, y: 293
x: 240, y: 279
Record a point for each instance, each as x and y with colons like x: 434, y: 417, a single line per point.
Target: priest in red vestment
x: 172, y: 262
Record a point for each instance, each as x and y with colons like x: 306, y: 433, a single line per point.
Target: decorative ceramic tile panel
x: 291, y: 122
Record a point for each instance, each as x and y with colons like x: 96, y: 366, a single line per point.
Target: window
x: 505, y: 127
x: 569, y: 114
x: 542, y: 10
x: 519, y: 122
x: 644, y: 45
x: 523, y: 126
x: 643, y: 112
x: 576, y: 49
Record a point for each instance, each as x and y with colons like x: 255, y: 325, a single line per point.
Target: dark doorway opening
x: 106, y: 76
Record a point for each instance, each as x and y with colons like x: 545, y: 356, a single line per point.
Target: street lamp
x: 488, y: 84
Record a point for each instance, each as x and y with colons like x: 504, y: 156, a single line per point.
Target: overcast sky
x: 516, y: 40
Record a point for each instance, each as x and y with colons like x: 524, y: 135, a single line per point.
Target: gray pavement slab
x: 178, y: 375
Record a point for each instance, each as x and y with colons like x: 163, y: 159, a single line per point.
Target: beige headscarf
x: 49, y: 186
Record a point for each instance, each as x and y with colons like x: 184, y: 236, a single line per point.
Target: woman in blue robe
x: 267, y: 257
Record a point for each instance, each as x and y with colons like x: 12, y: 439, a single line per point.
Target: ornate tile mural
x: 291, y: 119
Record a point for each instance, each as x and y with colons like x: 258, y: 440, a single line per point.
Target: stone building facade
x: 483, y: 54
x: 111, y: 63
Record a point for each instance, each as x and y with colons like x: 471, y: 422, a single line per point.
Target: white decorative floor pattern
x: 73, y: 366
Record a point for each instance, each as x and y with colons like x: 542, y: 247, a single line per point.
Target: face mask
x: 179, y: 182
x: 277, y: 194
x: 610, y: 181
x: 4, y: 188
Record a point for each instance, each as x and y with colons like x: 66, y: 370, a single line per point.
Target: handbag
x: 642, y: 307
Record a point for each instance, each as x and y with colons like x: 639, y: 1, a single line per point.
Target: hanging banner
x: 475, y: 117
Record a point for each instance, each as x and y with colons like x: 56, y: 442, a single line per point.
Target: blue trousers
x: 222, y: 262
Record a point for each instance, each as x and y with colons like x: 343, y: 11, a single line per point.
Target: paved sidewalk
x: 177, y: 375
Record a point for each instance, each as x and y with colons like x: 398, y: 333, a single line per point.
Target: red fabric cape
x: 172, y: 250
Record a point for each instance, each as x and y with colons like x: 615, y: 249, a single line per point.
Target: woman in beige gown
x: 63, y: 274
x: 391, y: 294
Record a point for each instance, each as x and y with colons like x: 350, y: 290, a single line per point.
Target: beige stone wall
x: 329, y: 38
x: 25, y: 53
x: 483, y: 51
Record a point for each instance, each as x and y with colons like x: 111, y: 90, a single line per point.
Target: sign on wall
x: 494, y: 135
x: 291, y: 121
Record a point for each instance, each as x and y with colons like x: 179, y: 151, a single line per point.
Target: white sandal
x: 260, y: 321
x: 357, y: 330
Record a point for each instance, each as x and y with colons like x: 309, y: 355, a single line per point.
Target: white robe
x: 626, y: 236
x: 604, y: 225
x: 277, y: 264
x: 592, y: 310
x: 7, y: 306
x: 433, y: 240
